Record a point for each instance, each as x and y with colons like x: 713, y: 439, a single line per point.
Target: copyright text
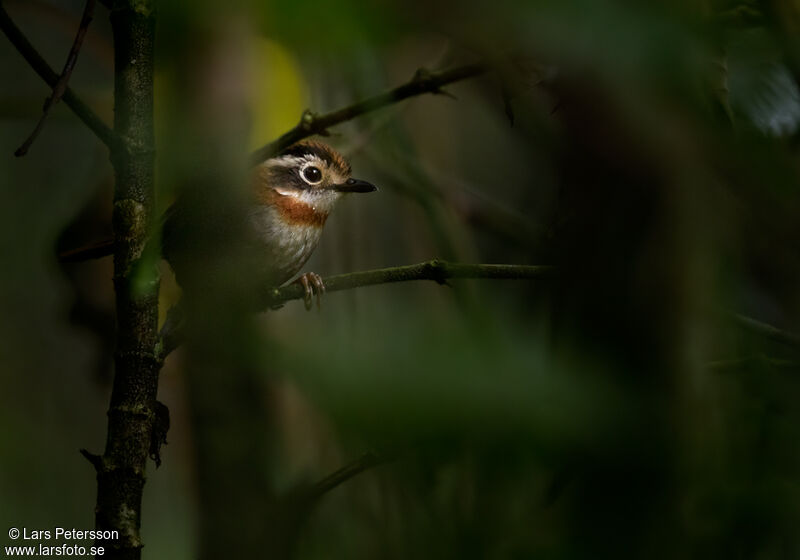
x: 31, y: 536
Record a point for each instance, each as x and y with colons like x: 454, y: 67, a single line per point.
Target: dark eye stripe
x: 301, y: 150
x: 321, y: 151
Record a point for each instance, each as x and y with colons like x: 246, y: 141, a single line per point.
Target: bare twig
x: 757, y: 360
x: 436, y: 270
x: 342, y: 475
x: 40, y: 66
x: 768, y: 331
x: 311, y: 123
x: 95, y: 460
x: 99, y: 250
x: 300, y: 500
x: 439, y: 271
x: 63, y: 79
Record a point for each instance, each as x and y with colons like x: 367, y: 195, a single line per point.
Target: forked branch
x: 40, y: 66
x: 63, y: 79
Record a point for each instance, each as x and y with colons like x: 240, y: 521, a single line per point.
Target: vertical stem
x: 121, y: 470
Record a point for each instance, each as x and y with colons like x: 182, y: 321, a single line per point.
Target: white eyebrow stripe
x: 292, y: 161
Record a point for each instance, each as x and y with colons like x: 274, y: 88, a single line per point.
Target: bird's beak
x: 354, y: 185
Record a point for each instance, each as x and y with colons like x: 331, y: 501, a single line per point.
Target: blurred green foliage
x: 613, y: 411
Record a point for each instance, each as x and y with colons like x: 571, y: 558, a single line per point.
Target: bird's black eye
x: 312, y: 175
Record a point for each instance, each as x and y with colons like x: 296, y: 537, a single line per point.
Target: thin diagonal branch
x: 98, y: 250
x: 342, y: 475
x: 40, y: 66
x: 311, y: 123
x: 758, y: 360
x: 300, y: 500
x: 768, y: 331
x: 63, y: 79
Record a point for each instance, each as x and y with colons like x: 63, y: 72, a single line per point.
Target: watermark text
x: 56, y: 541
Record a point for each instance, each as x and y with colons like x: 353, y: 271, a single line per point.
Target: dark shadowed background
x: 625, y: 406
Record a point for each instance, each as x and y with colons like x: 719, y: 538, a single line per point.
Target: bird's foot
x: 312, y: 284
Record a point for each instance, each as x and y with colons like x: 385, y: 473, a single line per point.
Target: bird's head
x: 305, y: 181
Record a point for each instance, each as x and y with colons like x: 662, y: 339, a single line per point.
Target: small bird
x: 293, y: 194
